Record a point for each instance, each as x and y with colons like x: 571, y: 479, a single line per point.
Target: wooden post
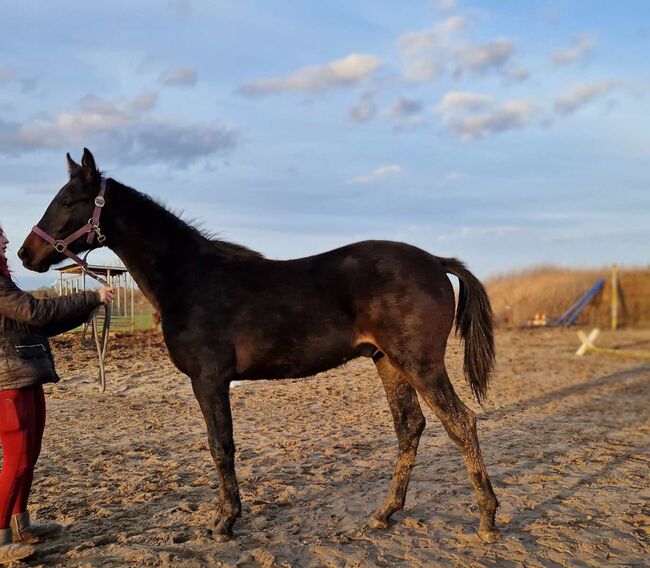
x: 132, y: 303
x: 119, y: 282
x: 614, y: 296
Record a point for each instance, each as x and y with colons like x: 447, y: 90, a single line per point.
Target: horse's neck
x: 153, y: 246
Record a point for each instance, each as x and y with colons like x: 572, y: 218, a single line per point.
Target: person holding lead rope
x: 26, y: 363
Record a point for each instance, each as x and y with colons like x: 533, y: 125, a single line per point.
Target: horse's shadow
x: 631, y: 380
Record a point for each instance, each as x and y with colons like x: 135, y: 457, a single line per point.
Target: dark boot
x: 27, y: 533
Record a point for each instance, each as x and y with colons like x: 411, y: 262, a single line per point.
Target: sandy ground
x: 565, y: 439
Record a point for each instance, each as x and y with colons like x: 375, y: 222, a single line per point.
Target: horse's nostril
x: 22, y: 253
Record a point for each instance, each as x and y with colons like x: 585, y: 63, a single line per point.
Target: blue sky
x: 505, y: 133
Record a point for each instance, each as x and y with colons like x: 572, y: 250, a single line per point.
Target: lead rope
x: 101, y: 340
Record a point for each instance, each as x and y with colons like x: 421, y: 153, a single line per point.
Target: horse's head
x: 70, y: 210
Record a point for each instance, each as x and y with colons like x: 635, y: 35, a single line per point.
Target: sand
x: 565, y: 440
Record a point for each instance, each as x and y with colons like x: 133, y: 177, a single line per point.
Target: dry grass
x: 516, y: 297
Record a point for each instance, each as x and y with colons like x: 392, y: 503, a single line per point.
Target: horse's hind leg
x: 460, y: 423
x: 409, y: 424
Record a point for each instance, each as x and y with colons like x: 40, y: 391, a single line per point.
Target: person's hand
x: 106, y: 294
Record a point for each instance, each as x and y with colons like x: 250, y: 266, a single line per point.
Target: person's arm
x: 78, y: 318
x: 60, y: 313
x: 66, y: 324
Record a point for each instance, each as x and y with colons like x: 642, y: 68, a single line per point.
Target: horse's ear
x: 88, y: 165
x: 72, y: 165
x: 88, y: 162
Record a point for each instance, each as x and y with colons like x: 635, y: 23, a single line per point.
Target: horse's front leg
x: 212, y: 392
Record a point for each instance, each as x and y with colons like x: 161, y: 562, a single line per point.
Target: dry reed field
x: 565, y: 440
x: 516, y: 297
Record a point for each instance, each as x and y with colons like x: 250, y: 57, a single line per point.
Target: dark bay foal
x: 230, y: 314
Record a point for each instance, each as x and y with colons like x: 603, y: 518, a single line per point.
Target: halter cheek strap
x: 91, y: 228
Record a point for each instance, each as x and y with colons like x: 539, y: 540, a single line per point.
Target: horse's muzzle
x: 28, y: 262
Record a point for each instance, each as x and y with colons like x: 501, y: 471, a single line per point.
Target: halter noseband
x: 91, y: 228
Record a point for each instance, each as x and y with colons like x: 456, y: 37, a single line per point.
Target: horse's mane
x: 234, y: 248
x: 180, y: 225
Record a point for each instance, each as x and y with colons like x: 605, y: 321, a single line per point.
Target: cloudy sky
x: 505, y: 133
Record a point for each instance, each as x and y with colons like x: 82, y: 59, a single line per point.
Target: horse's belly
x: 294, y: 363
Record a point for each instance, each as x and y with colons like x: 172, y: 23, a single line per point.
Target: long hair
x: 4, y: 267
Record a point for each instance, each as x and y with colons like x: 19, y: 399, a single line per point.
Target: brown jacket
x: 26, y: 323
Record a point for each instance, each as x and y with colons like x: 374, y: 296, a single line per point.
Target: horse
x: 230, y: 314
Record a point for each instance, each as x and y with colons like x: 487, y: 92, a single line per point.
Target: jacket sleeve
x: 67, y: 324
x: 54, y: 315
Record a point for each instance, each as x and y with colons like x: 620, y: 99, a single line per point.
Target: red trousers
x: 22, y: 421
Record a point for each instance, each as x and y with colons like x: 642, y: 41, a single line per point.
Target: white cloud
x: 412, y: 43
x: 463, y: 100
x: 425, y: 53
x: 376, y: 174
x: 180, y: 77
x: 428, y: 54
x: 485, y: 57
x: 471, y: 116
x: 510, y: 115
x: 424, y: 69
x: 95, y: 116
x: 582, y: 94
x: 350, y: 70
x: 146, y: 100
x: 125, y: 129
x: 581, y: 47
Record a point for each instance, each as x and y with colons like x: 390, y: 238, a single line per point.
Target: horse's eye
x: 67, y: 204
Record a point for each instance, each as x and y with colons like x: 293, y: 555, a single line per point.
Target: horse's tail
x: 474, y: 321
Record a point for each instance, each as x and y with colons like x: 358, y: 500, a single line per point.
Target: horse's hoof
x: 489, y: 536
x: 376, y: 523
x: 222, y: 531
x: 222, y: 537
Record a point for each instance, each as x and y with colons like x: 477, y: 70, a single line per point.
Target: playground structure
x: 569, y: 317
x: 72, y: 279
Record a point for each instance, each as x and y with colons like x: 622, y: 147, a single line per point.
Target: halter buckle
x: 100, y: 201
x: 60, y: 246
